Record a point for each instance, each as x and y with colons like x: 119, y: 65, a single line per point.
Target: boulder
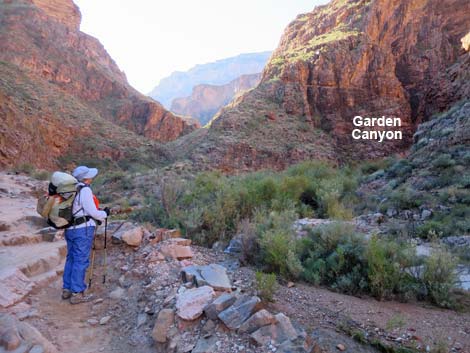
x: 213, y: 275
x: 218, y: 305
x: 425, y: 214
x: 235, y: 246
x: 163, y: 324
x: 18, y: 336
x: 191, y: 303
x: 279, y: 332
x: 118, y: 231
x: 256, y: 321
x: 178, y: 252
x: 234, y: 316
x: 133, y: 237
x: 14, y: 286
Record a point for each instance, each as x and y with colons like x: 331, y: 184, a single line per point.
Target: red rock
x: 178, y: 252
x: 206, y: 99
x: 163, y: 323
x: 326, y: 70
x: 56, y: 75
x: 179, y: 241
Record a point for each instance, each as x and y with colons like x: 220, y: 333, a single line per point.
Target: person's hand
x: 107, y: 210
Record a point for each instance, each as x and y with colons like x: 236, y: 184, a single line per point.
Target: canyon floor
x: 140, y: 282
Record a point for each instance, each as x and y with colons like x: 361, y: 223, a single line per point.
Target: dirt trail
x: 41, y: 260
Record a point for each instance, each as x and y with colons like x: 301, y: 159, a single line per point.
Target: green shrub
x: 387, y: 261
x: 26, y: 168
x: 277, y: 241
x: 334, y: 255
x: 406, y: 198
x: 443, y: 161
x: 266, y: 285
x: 439, y: 277
x: 210, y: 206
x: 41, y: 175
x: 402, y: 169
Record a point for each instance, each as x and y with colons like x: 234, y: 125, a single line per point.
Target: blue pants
x: 79, y: 242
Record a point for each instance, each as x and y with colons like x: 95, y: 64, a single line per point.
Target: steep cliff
x: 42, y: 41
x: 206, y: 100
x: 351, y: 57
x: 180, y: 84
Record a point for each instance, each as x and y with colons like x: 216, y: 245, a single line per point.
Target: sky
x: 149, y: 39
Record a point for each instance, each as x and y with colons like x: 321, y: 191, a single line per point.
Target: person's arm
x: 89, y: 206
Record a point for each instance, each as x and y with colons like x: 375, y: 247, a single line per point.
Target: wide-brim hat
x: 82, y: 172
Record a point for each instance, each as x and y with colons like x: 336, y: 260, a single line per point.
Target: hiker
x: 80, y: 236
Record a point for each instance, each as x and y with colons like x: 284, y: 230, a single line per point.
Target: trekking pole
x: 92, y: 262
x: 105, y: 236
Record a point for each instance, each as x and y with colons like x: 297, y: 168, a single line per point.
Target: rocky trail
x: 163, y: 294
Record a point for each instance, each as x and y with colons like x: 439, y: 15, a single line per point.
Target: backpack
x: 56, y: 205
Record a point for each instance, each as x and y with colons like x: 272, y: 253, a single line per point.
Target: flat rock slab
x: 191, y: 303
x: 178, y: 252
x: 213, y: 275
x: 257, y: 320
x: 14, y: 286
x: 234, y: 316
x: 218, y: 305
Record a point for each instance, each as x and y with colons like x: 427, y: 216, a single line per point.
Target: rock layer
x: 206, y: 99
x: 404, y: 59
x: 43, y: 50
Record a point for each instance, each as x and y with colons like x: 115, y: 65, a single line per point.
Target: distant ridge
x: 180, y: 84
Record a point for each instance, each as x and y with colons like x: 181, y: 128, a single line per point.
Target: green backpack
x: 56, y: 205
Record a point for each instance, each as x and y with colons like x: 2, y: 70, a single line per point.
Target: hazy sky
x: 149, y: 39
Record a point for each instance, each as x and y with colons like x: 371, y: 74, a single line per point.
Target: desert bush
x: 221, y: 202
x: 277, y: 241
x: 249, y: 241
x: 334, y: 255
x: 406, y: 198
x: 266, y: 285
x: 387, y: 262
x: 401, y: 168
x: 443, y: 161
x: 26, y: 168
x: 439, y: 277
x: 41, y: 175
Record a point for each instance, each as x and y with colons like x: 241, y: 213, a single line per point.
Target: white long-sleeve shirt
x: 84, y: 205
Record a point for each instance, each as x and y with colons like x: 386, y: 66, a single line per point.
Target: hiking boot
x: 66, y: 294
x: 77, y: 298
